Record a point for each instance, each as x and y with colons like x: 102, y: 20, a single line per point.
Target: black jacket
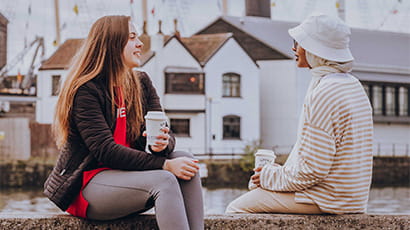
x: 91, y: 141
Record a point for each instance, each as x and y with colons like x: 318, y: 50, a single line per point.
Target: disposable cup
x: 263, y: 157
x: 154, y: 122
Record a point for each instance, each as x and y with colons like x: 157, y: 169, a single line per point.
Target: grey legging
x: 112, y: 194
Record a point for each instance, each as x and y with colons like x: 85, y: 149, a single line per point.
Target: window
x: 184, y: 83
x: 231, y: 127
x: 389, y: 99
x: 404, y: 101
x: 377, y: 100
x: 55, y: 87
x: 231, y: 85
x: 180, y: 127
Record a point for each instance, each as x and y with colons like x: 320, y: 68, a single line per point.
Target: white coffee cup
x: 154, y: 122
x: 262, y: 158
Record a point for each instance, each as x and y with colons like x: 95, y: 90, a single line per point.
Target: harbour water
x: 387, y: 200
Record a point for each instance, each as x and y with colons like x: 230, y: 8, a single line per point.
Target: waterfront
x: 387, y: 200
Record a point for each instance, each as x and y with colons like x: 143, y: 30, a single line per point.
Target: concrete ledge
x: 237, y: 222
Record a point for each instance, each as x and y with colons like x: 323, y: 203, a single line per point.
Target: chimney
x: 224, y: 7
x: 176, y: 31
x: 157, y: 40
x: 258, y: 8
x: 340, y: 4
x: 145, y: 38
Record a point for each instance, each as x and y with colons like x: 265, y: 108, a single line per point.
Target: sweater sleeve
x: 315, y: 153
x: 312, y: 164
x: 89, y: 119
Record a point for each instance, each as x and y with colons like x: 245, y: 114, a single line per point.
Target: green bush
x: 247, y: 162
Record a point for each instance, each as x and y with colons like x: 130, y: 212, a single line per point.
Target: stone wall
x: 42, y: 143
x: 223, y: 222
x: 387, y: 171
x: 23, y: 174
x: 391, y: 171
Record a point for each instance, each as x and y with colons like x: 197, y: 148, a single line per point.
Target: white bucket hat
x: 324, y: 36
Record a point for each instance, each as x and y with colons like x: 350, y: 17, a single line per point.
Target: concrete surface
x: 225, y: 222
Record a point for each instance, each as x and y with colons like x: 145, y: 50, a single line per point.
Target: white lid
x: 265, y: 152
x: 155, y: 115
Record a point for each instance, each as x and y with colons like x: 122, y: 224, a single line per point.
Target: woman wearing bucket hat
x: 329, y: 169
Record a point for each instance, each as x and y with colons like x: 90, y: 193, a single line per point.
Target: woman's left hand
x: 256, y: 177
x: 162, y: 140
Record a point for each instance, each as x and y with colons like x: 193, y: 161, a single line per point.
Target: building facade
x: 208, y: 85
x: 382, y: 64
x: 3, y: 40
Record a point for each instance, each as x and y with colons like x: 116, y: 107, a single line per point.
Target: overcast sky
x: 31, y: 18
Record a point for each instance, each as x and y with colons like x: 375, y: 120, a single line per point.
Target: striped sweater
x: 332, y: 166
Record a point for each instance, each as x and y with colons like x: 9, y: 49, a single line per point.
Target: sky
x: 31, y: 18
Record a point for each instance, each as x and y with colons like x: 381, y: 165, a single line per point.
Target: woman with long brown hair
x: 103, y: 171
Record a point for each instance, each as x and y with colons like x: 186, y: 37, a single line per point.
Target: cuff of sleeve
x: 159, y: 162
x: 164, y: 152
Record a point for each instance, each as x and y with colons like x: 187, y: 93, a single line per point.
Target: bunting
x: 75, y: 9
x: 19, y: 77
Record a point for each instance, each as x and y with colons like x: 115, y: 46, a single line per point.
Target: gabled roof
x: 62, y: 57
x: 369, y: 47
x: 262, y: 38
x: 203, y: 47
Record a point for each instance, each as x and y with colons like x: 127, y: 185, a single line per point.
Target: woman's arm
x: 89, y: 119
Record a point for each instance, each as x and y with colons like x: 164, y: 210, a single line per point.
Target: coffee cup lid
x: 155, y: 115
x: 264, y: 152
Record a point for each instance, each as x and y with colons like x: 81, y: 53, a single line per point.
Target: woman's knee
x: 234, y: 207
x: 165, y: 177
x: 181, y: 154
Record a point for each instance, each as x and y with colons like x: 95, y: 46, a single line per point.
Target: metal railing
x: 379, y: 149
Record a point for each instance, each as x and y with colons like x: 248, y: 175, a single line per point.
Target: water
x: 388, y: 200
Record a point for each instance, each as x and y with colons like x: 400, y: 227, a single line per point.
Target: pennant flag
x: 75, y: 9
x: 19, y: 77
x: 395, y: 11
x: 153, y: 11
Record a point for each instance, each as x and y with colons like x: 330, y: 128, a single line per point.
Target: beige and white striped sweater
x: 333, y: 165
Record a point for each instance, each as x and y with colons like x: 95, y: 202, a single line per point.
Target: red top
x: 80, y: 204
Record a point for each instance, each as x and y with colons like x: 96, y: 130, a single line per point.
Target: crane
x: 28, y: 79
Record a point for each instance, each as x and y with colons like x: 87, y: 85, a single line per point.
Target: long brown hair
x: 101, y: 55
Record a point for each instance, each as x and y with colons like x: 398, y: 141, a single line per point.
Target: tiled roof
x: 369, y: 47
x: 62, y: 57
x: 3, y: 20
x: 204, y: 46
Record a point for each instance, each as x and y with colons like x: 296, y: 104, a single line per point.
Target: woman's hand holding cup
x: 182, y: 167
x: 162, y: 140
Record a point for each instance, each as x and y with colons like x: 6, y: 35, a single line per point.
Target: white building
x: 208, y: 86
x: 382, y: 64
x: 228, y: 48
